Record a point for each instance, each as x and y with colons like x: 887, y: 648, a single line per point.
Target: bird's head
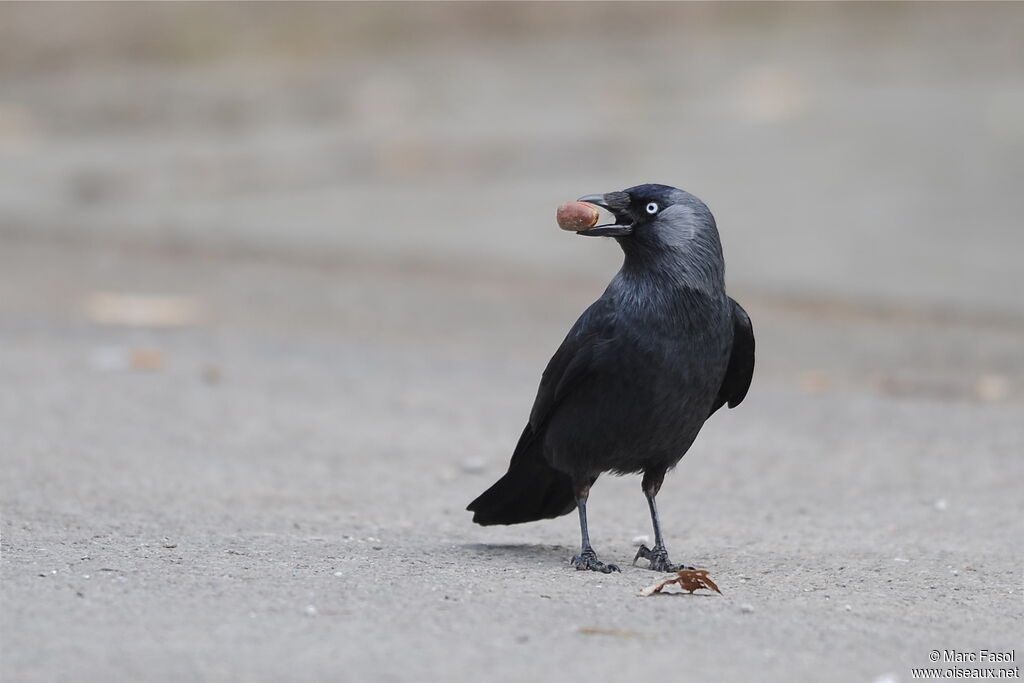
x: 651, y: 214
x: 659, y: 224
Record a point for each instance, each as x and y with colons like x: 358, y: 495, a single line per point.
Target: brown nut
x: 577, y: 216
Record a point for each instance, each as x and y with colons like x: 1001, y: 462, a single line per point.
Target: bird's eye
x: 652, y: 208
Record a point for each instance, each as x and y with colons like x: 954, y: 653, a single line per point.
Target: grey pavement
x: 277, y: 286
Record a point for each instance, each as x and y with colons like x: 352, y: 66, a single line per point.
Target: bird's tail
x: 530, y: 490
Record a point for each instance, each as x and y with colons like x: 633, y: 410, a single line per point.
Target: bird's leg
x: 657, y: 556
x: 587, y: 559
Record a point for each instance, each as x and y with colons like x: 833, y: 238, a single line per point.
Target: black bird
x: 637, y: 375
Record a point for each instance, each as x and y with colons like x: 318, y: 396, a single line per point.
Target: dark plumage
x: 637, y: 375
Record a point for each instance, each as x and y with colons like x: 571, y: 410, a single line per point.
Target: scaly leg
x: 657, y: 556
x: 587, y: 559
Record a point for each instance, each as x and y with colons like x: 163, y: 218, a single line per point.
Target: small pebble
x: 746, y: 608
x: 337, y: 573
x: 642, y: 539
x: 473, y: 465
x: 109, y: 359
x: 941, y: 504
x: 310, y: 611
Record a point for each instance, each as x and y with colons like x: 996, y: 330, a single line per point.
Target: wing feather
x: 741, y: 361
x: 574, y: 360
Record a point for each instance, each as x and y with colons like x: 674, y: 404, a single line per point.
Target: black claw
x: 658, y: 558
x: 588, y: 560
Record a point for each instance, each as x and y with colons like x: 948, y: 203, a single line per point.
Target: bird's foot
x: 658, y: 558
x: 588, y: 560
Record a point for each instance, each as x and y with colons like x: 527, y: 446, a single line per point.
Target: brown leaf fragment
x: 656, y: 588
x: 692, y: 579
x: 688, y: 579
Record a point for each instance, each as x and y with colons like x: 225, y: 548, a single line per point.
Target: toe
x: 643, y: 552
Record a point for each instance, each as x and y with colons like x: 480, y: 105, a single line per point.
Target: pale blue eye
x: 652, y: 208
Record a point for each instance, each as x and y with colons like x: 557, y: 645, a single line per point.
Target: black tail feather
x: 530, y: 490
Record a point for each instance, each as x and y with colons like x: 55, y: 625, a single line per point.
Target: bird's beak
x: 610, y: 230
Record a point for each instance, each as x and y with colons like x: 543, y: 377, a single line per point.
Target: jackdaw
x: 638, y: 374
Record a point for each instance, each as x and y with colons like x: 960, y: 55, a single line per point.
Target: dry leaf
x: 688, y: 579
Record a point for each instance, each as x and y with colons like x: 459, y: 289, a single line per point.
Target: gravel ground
x: 262, y: 477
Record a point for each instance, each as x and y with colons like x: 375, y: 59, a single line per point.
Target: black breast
x: 645, y: 404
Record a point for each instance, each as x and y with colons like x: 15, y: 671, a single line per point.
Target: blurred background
x: 272, y: 266
x: 856, y: 156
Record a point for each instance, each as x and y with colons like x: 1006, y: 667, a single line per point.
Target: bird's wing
x: 741, y: 361
x: 580, y: 352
